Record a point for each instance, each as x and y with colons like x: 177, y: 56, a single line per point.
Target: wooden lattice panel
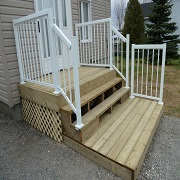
x: 45, y: 120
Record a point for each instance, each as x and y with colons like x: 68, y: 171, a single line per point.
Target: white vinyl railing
x: 101, y: 45
x: 47, y: 57
x: 120, y: 51
x: 147, y: 71
x: 94, y: 42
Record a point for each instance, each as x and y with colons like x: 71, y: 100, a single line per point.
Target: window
x: 85, y: 16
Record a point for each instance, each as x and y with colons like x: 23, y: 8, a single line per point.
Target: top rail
x: 31, y: 17
x: 149, y: 46
x: 93, y: 22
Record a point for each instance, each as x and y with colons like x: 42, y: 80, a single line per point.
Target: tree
x: 119, y: 12
x: 134, y: 22
x: 160, y: 30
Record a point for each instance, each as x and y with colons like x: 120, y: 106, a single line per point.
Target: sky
x: 112, y: 14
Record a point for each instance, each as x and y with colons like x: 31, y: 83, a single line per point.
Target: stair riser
x: 94, y: 125
x: 88, y: 86
x: 93, y: 84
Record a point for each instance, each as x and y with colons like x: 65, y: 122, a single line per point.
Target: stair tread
x: 102, y: 107
x: 93, y: 94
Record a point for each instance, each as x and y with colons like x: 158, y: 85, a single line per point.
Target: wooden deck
x: 118, y: 130
x: 121, y: 143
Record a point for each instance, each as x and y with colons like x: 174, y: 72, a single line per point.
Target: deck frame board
x: 135, y: 146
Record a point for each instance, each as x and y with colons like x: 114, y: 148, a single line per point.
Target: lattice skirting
x: 45, y: 120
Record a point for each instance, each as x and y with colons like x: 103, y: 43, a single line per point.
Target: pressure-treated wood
x: 123, y: 137
x: 94, y: 93
x: 90, y: 78
x: 117, y: 130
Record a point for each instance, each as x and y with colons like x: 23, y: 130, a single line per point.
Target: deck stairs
x: 100, y: 97
x: 117, y: 129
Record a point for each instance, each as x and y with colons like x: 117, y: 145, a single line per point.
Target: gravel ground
x: 27, y: 154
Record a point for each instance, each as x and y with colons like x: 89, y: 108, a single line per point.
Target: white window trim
x: 83, y: 40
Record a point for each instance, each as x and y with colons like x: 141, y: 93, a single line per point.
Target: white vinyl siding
x: 100, y: 9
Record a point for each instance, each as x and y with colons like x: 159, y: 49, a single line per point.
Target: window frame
x: 83, y: 39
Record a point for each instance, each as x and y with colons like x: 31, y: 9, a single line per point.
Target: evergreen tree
x: 160, y: 30
x: 134, y: 22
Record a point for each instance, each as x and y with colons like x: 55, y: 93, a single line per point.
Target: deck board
x: 85, y: 75
x: 125, y: 137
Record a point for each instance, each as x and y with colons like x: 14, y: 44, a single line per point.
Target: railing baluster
x: 113, y: 51
x: 95, y: 43
x: 20, y: 53
x: 142, y: 71
x: 92, y: 54
x: 26, y: 59
x: 40, y: 49
x: 86, y: 44
x: 32, y: 50
x: 98, y: 40
x: 35, y: 53
x: 23, y: 53
x: 122, y: 57
x: 69, y: 76
x: 147, y: 69
x: 157, y: 75
x: 117, y: 55
x: 108, y: 41
x: 46, y: 46
x: 105, y: 43
x: 152, y: 73
x: 101, y: 45
x: 137, y: 73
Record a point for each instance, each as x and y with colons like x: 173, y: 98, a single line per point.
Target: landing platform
x: 89, y: 79
x: 121, y: 142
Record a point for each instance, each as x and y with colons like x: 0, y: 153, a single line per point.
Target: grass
x: 171, y: 97
x: 172, y: 89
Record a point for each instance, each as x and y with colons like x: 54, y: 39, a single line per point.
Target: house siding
x: 9, y: 72
x: 100, y: 9
x: 14, y: 9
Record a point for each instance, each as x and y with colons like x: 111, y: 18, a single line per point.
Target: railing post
x: 127, y: 61
x: 54, y: 64
x: 18, y: 53
x: 132, y: 71
x: 75, y: 60
x: 110, y: 36
x: 162, y: 74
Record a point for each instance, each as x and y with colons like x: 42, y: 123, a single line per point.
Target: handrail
x: 119, y: 49
x: 119, y: 34
x: 62, y: 36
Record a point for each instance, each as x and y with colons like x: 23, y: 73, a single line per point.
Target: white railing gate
x: 147, y: 71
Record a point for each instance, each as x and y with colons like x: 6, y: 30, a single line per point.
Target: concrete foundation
x: 14, y: 112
